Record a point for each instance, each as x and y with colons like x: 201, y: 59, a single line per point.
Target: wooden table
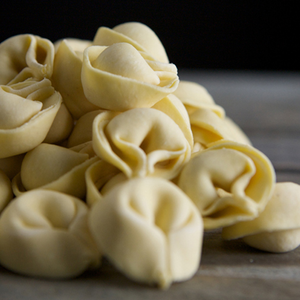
x: 267, y: 108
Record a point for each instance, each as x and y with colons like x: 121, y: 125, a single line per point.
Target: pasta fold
x: 136, y: 34
x: 67, y: 76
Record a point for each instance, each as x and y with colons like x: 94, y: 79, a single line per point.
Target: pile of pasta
x: 105, y: 153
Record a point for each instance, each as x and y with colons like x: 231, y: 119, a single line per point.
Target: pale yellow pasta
x: 137, y: 34
x: 150, y: 230
x: 61, y: 127
x: 27, y: 111
x: 228, y: 182
x: 119, y: 78
x: 174, y: 108
x: 195, y: 96
x: 141, y: 142
x: 53, y: 167
x: 82, y: 131
x: 277, y: 228
x: 207, y: 127
x: 45, y: 234
x: 6, y: 193
x: 97, y: 176
x: 67, y: 76
x: 22, y: 53
x: 86, y: 148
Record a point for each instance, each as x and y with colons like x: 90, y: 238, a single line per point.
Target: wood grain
x: 267, y: 107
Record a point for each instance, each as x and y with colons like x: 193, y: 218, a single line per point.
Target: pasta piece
x: 67, y: 76
x: 277, y: 228
x: 27, y: 112
x: 54, y: 168
x: 229, y: 182
x: 136, y: 34
x: 119, y: 78
x: 6, y: 193
x: 195, y: 96
x: 46, y: 234
x: 25, y: 53
x: 150, y: 230
x: 141, y: 142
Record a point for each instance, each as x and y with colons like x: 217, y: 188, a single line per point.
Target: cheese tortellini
x: 150, y: 230
x: 46, y: 234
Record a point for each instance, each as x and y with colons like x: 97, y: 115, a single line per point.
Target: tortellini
x: 67, y: 76
x: 119, y: 78
x: 150, y: 230
x: 228, y: 182
x: 277, y: 228
x: 53, y: 167
x: 141, y: 142
x: 25, y: 53
x: 107, y: 153
x: 46, y: 234
x: 28, y: 110
x: 136, y: 34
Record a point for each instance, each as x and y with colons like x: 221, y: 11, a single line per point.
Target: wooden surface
x: 267, y: 108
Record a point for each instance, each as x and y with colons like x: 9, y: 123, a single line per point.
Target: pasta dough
x: 119, y: 78
x: 136, y: 34
x: 141, y: 142
x: 277, y: 228
x: 97, y: 176
x: 228, y: 182
x: 45, y: 234
x: 28, y: 110
x: 55, y: 168
x: 67, y: 76
x: 150, y: 230
x: 25, y: 53
x: 195, y: 96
